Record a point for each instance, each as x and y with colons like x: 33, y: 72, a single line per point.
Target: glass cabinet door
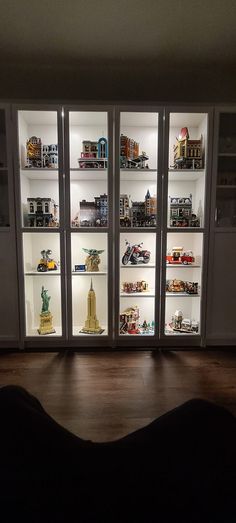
x: 138, y: 224
x: 4, y: 194
x: 40, y: 198
x: 89, y: 222
x: 185, y: 223
x: 225, y: 215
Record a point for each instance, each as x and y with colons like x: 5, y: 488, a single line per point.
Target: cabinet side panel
x: 221, y: 309
x: 9, y: 327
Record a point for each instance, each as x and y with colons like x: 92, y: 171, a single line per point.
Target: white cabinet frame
x: 113, y: 339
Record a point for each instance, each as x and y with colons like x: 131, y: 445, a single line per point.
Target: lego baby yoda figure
x: 93, y: 260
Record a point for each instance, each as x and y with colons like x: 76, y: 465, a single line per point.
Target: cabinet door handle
x: 216, y: 215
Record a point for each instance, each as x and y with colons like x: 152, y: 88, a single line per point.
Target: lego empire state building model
x: 91, y: 324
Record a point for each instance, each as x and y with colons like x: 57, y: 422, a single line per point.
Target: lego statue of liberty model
x: 91, y: 324
x: 46, y: 326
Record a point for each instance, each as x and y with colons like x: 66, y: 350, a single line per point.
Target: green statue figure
x: 46, y: 299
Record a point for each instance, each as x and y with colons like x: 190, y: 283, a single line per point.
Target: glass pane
x: 89, y: 284
x: 3, y: 147
x: 137, y: 284
x: 38, y: 151
x: 4, y: 202
x: 227, y: 136
x: 41, y: 254
x: 88, y: 134
x: 225, y: 215
x: 187, y: 162
x: 138, y: 169
x: 183, y: 283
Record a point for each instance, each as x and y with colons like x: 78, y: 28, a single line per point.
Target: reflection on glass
x: 41, y: 257
x: 89, y: 284
x: 38, y: 150
x: 3, y: 147
x: 88, y: 169
x: 225, y: 215
x: 226, y: 207
x: 138, y: 164
x: 183, y: 283
x: 227, y: 134
x: 137, y: 284
x: 186, y: 177
x: 4, y: 203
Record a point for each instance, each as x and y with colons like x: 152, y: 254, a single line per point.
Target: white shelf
x: 87, y: 273
x: 185, y: 175
x: 76, y: 332
x: 142, y: 265
x: 176, y: 333
x: 46, y: 273
x: 141, y: 334
x: 88, y: 174
x: 34, y: 332
x: 179, y: 230
x: 143, y: 175
x: 181, y: 295
x: 137, y: 294
x: 40, y: 174
x: 182, y: 266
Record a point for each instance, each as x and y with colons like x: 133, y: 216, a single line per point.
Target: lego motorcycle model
x: 135, y: 254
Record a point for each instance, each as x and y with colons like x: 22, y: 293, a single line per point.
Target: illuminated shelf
x: 176, y: 333
x: 34, y: 332
x: 143, y: 175
x: 181, y: 295
x: 40, y: 174
x: 141, y: 334
x: 76, y: 332
x: 179, y: 230
x: 88, y: 174
x: 87, y: 273
x: 138, y: 265
x: 137, y: 294
x: 46, y: 273
x: 185, y: 175
x: 182, y: 266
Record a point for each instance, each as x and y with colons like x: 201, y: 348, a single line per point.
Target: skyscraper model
x: 91, y: 324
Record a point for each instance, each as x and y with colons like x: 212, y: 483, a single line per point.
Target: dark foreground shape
x: 179, y: 468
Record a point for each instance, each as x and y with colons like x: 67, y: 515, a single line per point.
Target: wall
x: 145, y: 81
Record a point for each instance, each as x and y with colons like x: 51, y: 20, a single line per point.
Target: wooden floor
x: 102, y: 396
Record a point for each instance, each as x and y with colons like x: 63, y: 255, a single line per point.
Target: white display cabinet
x: 40, y: 194
x: 221, y: 289
x: 38, y: 163
x: 183, y: 280
x: 113, y: 175
x: 185, y: 226
x: 89, y: 177
x: 138, y: 215
x: 137, y: 286
x: 187, y: 165
x: 9, y: 310
x: 88, y: 157
x: 82, y: 279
